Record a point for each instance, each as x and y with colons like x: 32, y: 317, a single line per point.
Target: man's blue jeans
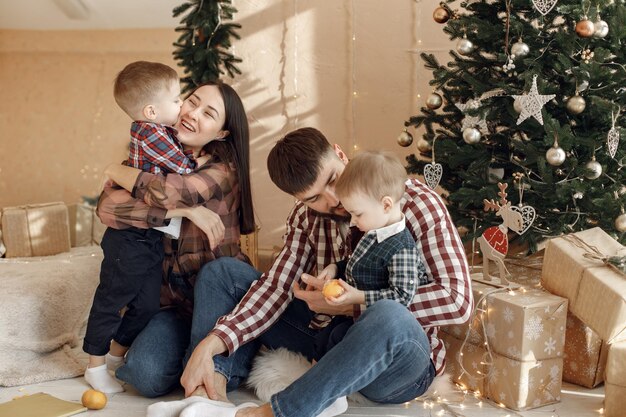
x: 385, y: 355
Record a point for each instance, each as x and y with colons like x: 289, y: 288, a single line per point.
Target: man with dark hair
x: 390, y: 354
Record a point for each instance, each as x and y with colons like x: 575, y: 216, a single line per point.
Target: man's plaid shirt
x: 313, y: 241
x: 214, y: 185
x: 154, y: 148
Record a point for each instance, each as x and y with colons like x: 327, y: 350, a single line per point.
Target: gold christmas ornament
x: 471, y: 135
x: 405, y: 139
x: 576, y: 104
x: 620, y: 223
x: 441, y: 15
x: 585, y: 28
x: 555, y: 155
x: 434, y: 101
x: 517, y: 106
x: 423, y: 146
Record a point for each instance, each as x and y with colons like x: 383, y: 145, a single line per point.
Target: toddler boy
x: 131, y: 271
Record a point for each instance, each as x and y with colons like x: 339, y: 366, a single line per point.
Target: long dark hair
x: 235, y: 149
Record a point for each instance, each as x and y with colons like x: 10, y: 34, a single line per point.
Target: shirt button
x: 411, y: 282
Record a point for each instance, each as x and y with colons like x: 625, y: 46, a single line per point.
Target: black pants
x: 130, y: 276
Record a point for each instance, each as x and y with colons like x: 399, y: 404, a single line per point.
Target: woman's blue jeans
x: 385, y: 355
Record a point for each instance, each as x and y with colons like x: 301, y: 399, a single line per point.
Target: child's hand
x: 317, y: 283
x: 328, y: 273
x: 350, y: 296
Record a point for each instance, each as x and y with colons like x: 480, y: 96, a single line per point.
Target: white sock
x: 213, y: 409
x: 174, y: 408
x: 100, y: 379
x: 338, y: 407
x: 113, y: 362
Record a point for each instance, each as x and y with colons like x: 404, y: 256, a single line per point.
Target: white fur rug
x: 44, y: 306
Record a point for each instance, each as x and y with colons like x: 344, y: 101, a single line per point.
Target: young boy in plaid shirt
x: 131, y: 271
x: 385, y: 263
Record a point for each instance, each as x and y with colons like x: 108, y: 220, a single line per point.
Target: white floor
x: 443, y: 399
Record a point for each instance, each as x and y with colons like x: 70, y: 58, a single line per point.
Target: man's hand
x: 209, y: 222
x: 200, y: 370
x: 315, y: 300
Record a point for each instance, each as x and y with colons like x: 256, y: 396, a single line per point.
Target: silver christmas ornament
x: 405, y: 139
x: 434, y: 101
x: 519, y: 49
x: 593, y: 169
x: 620, y: 223
x: 601, y: 28
x: 471, y: 135
x: 576, y: 104
x: 464, y: 46
x: 555, y: 155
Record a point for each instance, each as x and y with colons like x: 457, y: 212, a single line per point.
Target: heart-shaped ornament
x: 432, y: 174
x: 528, y: 217
x: 544, y: 6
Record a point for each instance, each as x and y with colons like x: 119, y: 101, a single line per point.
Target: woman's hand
x: 315, y: 300
x: 209, y: 222
x: 200, y: 370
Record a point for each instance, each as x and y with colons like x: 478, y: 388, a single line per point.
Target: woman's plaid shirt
x: 214, y: 185
x: 313, y: 241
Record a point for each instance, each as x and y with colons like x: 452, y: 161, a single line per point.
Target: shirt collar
x: 388, y: 231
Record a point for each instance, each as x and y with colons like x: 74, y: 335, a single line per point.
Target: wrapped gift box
x: 469, y: 369
x: 85, y: 226
x: 615, y: 382
x: 585, y: 354
x: 596, y: 292
x: 525, y: 333
x: 35, y: 230
x: 521, y: 385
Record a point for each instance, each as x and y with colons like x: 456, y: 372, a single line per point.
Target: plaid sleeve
x: 270, y: 295
x: 403, y: 278
x: 161, y: 148
x: 119, y: 210
x: 447, y: 298
x: 210, y: 182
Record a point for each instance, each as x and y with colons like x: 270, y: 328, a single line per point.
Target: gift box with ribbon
x: 584, y: 267
x: 35, y: 230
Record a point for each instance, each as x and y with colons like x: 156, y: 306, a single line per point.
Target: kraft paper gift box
x: 525, y: 333
x: 585, y: 354
x: 468, y: 369
x: 35, y: 230
x: 85, y: 226
x: 615, y: 381
x: 596, y: 291
x: 521, y: 385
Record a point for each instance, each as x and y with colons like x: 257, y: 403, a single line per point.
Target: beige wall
x: 61, y: 126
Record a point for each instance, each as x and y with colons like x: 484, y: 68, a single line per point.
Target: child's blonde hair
x: 138, y: 84
x: 376, y: 174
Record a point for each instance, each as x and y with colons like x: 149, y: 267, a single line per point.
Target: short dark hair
x: 295, y: 162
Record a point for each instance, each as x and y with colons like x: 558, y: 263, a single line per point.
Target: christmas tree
x: 534, y: 97
x: 203, y: 46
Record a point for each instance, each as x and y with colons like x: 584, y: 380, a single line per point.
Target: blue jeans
x: 385, y: 354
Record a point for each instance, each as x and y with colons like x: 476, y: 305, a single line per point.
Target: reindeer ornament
x: 494, y: 242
